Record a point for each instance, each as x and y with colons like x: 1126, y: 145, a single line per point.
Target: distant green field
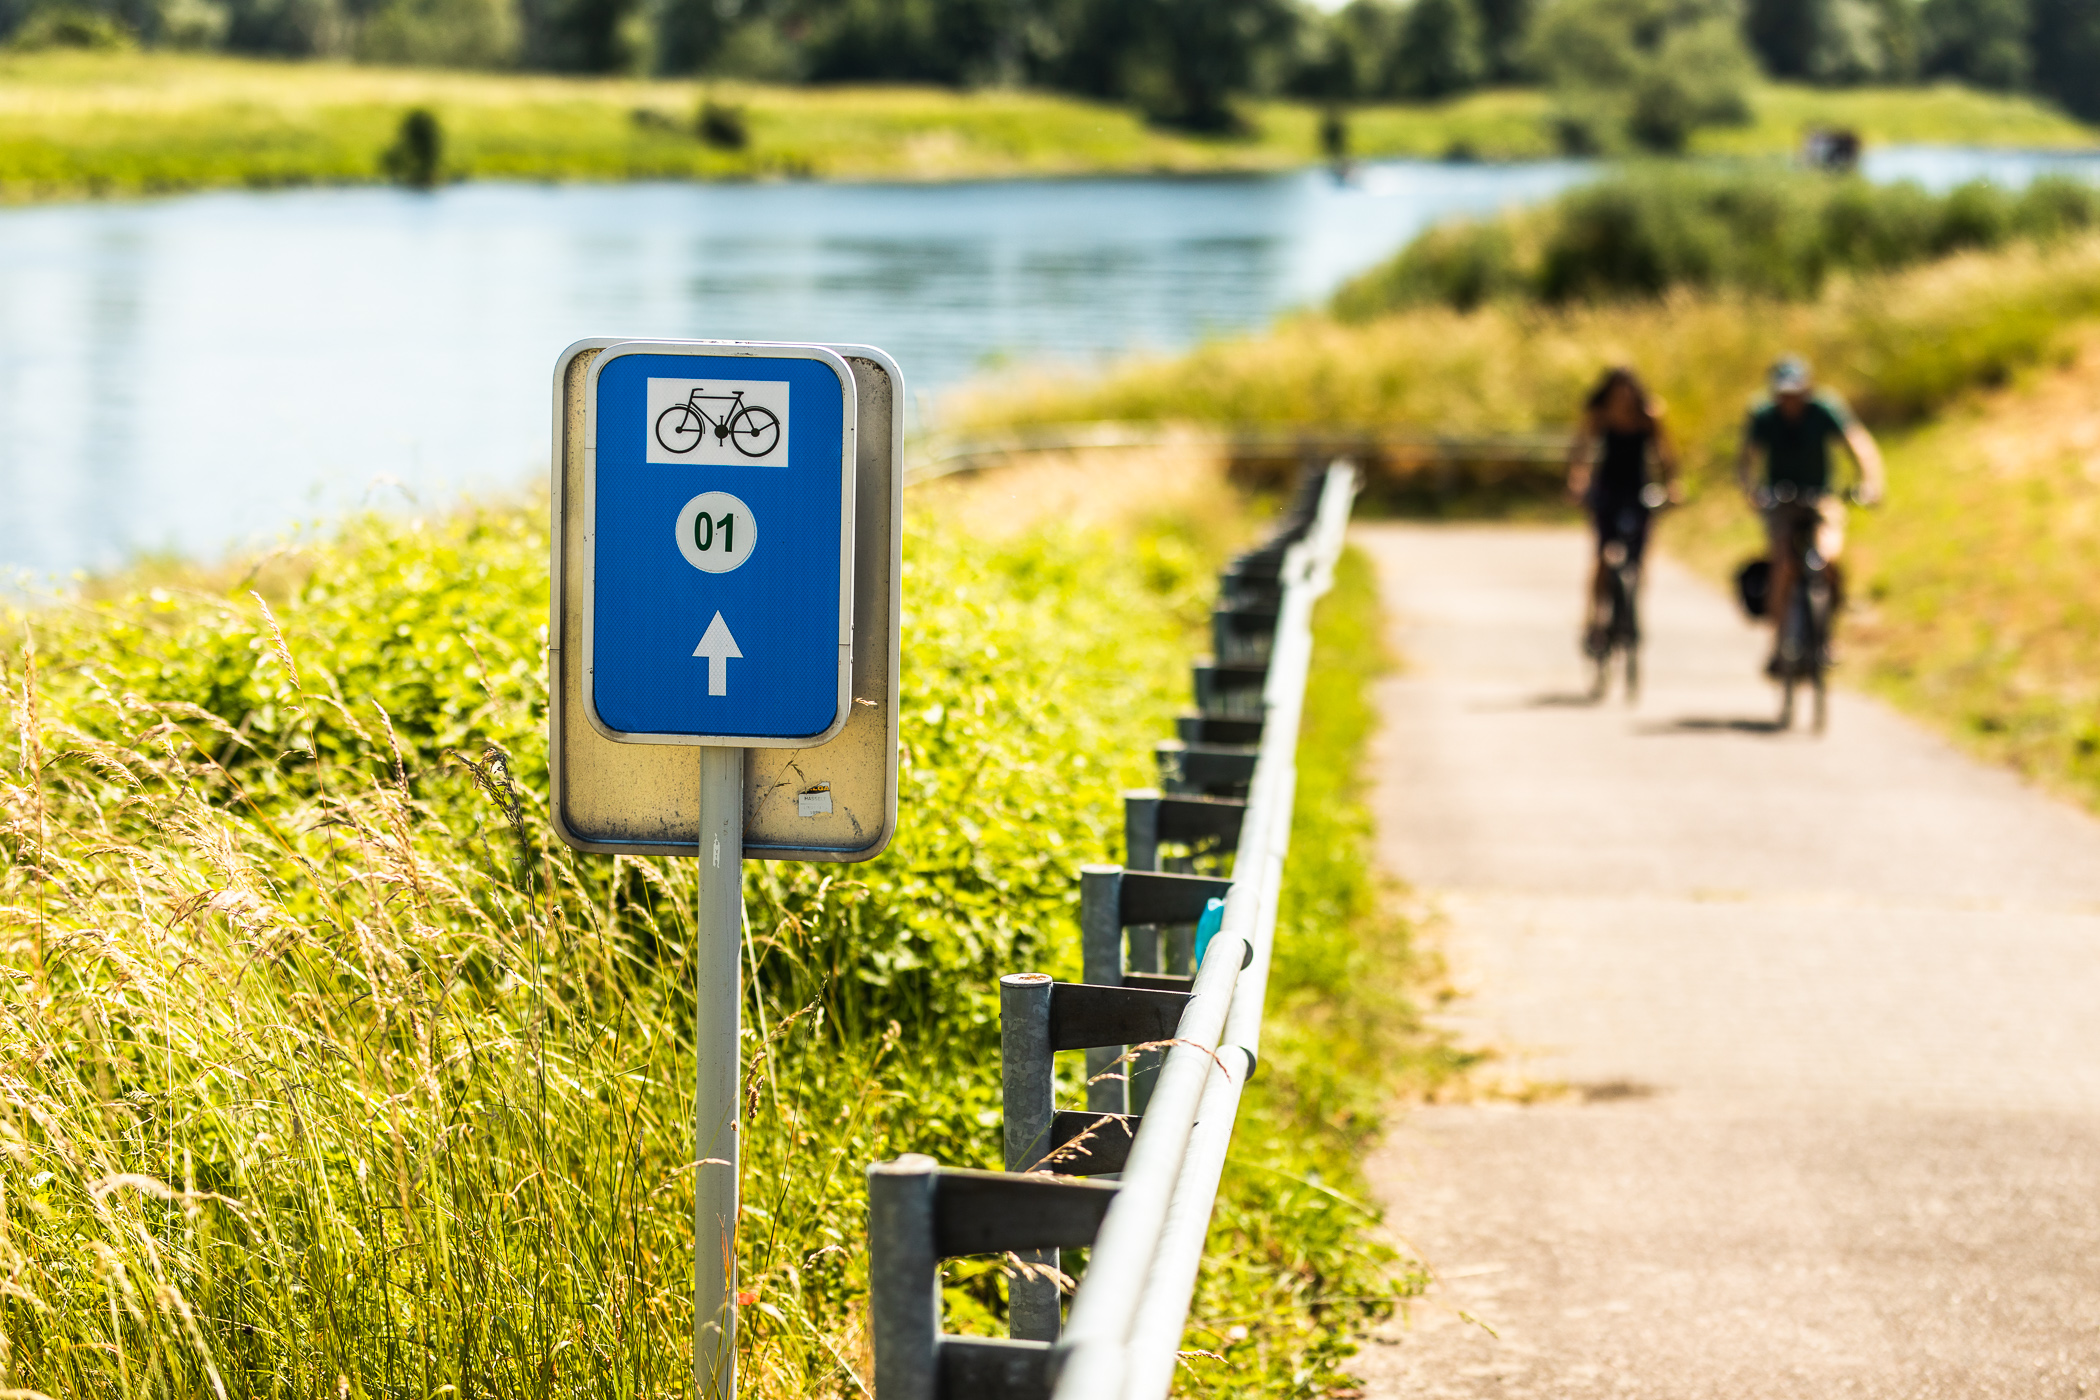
x: 76, y: 124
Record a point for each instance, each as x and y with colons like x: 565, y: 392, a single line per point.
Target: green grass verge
x: 75, y: 124
x: 325, y: 1069
x: 1343, y: 1044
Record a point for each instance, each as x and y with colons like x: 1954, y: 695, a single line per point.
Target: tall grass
x: 1898, y: 345
x: 326, y: 1071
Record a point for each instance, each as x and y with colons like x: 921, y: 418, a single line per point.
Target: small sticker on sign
x: 814, y: 803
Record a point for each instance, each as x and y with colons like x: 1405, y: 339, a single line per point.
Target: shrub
x: 722, y: 126
x: 418, y: 153
x: 1868, y: 226
x: 1771, y: 233
x: 1975, y: 215
x: 1460, y: 265
x: 2054, y: 206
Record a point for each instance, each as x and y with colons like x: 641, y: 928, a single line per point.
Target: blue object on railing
x: 1207, y: 927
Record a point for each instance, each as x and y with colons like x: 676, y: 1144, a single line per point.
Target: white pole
x: 718, y: 1017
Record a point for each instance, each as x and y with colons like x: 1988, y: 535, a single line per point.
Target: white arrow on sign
x: 717, y: 646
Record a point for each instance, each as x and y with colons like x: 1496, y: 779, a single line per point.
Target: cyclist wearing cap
x: 1784, y: 467
x: 1622, y: 468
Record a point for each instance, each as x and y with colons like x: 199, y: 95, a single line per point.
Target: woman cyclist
x: 1622, y: 467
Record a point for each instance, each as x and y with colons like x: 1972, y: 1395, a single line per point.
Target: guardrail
x: 1169, y: 1015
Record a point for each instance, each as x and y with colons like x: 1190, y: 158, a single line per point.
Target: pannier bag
x: 1753, y: 586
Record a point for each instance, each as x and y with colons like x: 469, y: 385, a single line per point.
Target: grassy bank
x: 325, y: 1069
x: 1899, y: 346
x: 75, y: 124
x: 1517, y: 123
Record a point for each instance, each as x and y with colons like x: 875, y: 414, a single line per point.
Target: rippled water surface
x: 191, y: 373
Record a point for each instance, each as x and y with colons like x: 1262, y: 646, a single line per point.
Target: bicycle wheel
x: 1629, y: 631
x: 679, y: 428
x: 1597, y: 646
x: 754, y: 430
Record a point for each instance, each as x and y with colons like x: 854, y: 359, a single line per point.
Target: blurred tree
x: 956, y: 42
x: 1645, y: 73
x: 1325, y: 67
x: 1784, y: 33
x: 1334, y: 58
x: 444, y: 33
x: 579, y: 36
x: 1505, y: 26
x: 1978, y: 41
x: 69, y: 25
x: 691, y: 33
x: 1179, y: 61
x: 296, y: 28
x: 103, y: 24
x: 2066, y: 38
x: 1833, y: 41
x: 1439, y: 50
x: 756, y: 39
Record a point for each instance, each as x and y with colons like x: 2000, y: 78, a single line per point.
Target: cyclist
x: 1784, y: 467
x: 1620, y: 450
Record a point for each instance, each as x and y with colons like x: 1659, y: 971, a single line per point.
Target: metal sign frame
x: 611, y: 797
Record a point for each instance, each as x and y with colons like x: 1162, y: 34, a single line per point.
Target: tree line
x: 1640, y: 72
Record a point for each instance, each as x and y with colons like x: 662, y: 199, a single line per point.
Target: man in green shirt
x: 1784, y: 467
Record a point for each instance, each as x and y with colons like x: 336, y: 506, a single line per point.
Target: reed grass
x: 1899, y: 346
x: 326, y: 1071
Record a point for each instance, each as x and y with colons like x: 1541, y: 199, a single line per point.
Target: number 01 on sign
x: 726, y: 569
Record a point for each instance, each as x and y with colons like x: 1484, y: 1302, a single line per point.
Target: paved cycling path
x: 1831, y: 1008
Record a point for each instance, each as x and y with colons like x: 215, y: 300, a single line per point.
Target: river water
x: 189, y: 374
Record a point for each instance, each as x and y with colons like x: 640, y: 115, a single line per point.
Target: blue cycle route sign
x: 720, y: 502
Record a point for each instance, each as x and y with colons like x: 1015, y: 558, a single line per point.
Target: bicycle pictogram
x: 750, y: 428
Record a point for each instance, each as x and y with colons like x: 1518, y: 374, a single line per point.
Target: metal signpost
x: 724, y: 653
